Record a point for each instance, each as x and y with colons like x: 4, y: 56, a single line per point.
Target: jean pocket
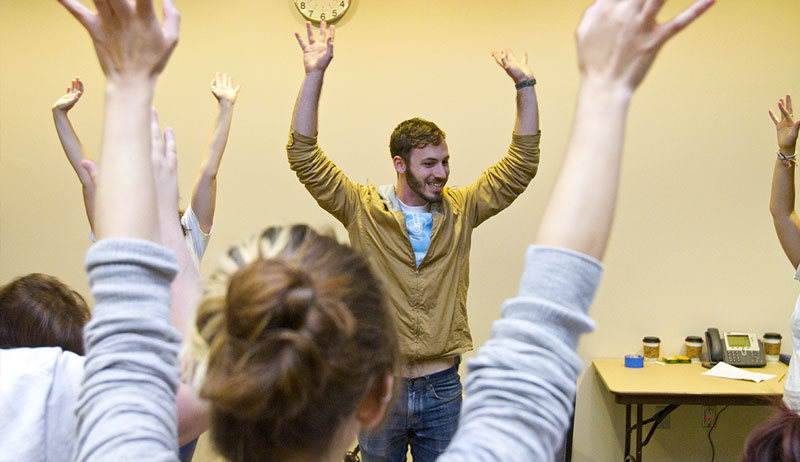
x: 446, y: 390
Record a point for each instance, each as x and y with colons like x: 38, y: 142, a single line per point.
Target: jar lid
x: 774, y: 335
x: 651, y: 340
x: 694, y: 339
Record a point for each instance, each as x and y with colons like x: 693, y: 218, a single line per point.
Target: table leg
x: 628, y: 430
x: 639, y: 408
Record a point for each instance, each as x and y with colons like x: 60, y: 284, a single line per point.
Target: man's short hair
x: 414, y: 133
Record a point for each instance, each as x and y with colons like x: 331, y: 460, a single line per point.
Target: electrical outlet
x: 709, y: 414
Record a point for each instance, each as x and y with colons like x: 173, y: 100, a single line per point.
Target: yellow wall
x: 693, y: 245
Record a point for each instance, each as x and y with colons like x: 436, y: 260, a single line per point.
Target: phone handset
x: 715, y: 348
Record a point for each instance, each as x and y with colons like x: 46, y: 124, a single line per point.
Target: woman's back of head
x: 777, y: 438
x: 38, y: 310
x: 292, y: 333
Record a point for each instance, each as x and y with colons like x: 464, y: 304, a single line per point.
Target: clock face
x: 322, y: 10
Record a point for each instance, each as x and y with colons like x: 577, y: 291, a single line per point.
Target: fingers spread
x: 685, y: 18
x: 300, y: 41
x: 121, y: 8
x: 310, y: 32
x: 172, y: 21
x: 145, y: 8
x: 104, y: 10
x: 784, y: 112
x: 79, y: 11
x: 651, y: 8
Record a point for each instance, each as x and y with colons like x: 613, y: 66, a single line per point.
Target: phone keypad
x: 737, y: 357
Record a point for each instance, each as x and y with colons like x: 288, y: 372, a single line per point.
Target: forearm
x: 781, y: 206
x: 193, y: 415
x: 72, y: 144
x: 186, y: 287
x: 88, y: 203
x: 217, y: 140
x: 781, y: 201
x: 204, y: 194
x: 527, y: 122
x: 581, y: 207
x: 532, y: 352
x: 130, y: 374
x: 306, y: 109
x: 125, y: 203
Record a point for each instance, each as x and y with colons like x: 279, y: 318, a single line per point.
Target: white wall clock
x: 322, y: 10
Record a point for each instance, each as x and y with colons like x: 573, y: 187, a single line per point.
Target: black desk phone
x: 735, y: 348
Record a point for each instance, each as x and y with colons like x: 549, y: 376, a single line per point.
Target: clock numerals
x: 323, y: 10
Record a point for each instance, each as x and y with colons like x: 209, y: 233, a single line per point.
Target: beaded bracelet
x: 526, y: 83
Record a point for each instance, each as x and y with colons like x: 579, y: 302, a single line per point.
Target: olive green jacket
x: 429, y: 301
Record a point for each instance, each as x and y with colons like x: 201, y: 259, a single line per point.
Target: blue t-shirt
x: 419, y: 224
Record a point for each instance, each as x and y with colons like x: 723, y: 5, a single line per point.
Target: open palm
x: 317, y: 53
x: 223, y: 89
x: 786, y: 127
x: 73, y: 94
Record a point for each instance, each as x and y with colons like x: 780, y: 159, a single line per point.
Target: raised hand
x: 516, y: 69
x: 619, y: 39
x: 317, y: 54
x: 787, y: 128
x: 164, y: 158
x: 127, y: 37
x: 73, y: 94
x: 222, y: 88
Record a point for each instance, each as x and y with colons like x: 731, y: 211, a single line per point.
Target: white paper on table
x: 726, y: 371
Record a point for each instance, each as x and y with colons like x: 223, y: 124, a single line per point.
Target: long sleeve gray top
x: 520, y: 387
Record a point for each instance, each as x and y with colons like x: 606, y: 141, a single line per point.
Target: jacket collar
x: 389, y: 195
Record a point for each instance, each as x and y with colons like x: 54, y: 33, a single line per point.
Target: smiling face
x: 422, y: 179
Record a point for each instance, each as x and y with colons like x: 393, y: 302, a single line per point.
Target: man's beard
x: 418, y: 186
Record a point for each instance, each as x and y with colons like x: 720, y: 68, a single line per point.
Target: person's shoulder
x: 39, y: 357
x: 40, y: 366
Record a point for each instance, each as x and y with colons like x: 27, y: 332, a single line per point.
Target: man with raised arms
x: 416, y: 235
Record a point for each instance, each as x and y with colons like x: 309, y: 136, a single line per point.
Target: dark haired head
x: 291, y: 335
x: 38, y: 310
x: 777, y: 438
x: 413, y: 133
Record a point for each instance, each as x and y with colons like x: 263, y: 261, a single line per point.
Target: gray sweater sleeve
x: 521, y: 385
x: 126, y: 407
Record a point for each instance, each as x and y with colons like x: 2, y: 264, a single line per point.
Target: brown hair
x: 38, y: 310
x: 292, y: 333
x: 413, y: 133
x: 777, y: 438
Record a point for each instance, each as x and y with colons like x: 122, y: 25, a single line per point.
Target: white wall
x: 693, y: 244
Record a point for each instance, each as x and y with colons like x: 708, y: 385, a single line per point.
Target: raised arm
x: 781, y: 202
x: 186, y: 288
x: 330, y: 187
x: 131, y: 360
x: 204, y: 195
x: 527, y: 121
x: 133, y: 49
x: 617, y: 43
x: 317, y: 55
x: 503, y: 182
x: 521, y: 385
x: 77, y: 155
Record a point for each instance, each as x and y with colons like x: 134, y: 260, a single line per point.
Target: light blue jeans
x: 424, y: 417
